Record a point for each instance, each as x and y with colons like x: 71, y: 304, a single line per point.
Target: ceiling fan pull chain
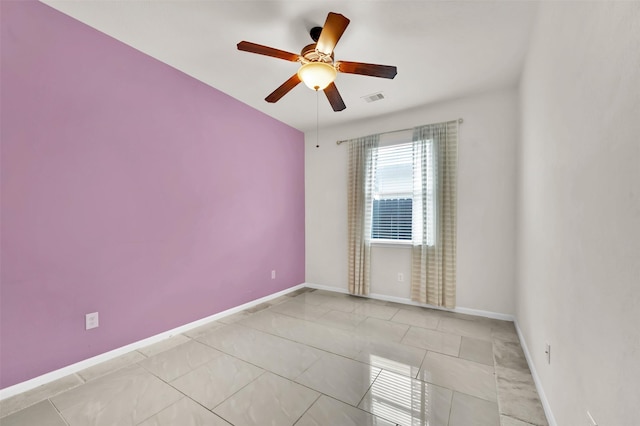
x: 317, y: 120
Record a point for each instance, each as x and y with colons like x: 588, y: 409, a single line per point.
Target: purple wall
x: 130, y: 189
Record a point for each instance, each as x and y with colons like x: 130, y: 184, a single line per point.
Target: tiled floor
x: 308, y: 358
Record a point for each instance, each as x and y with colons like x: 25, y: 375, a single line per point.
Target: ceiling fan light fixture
x: 317, y: 75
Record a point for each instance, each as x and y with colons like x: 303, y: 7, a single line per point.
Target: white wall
x: 486, y: 202
x: 579, y: 209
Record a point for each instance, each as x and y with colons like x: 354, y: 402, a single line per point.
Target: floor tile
x: 110, y: 366
x: 404, y: 306
x: 26, y: 399
x: 278, y: 300
x: 344, y: 304
x: 257, y: 308
x: 330, y: 293
x: 270, y: 352
x: 510, y: 421
x: 402, y: 359
x: 215, y: 381
x: 377, y: 329
x: 339, y: 377
x: 300, y: 291
x: 505, y: 328
x: 510, y: 355
x: 277, y: 324
x: 423, y: 318
x: 342, y: 320
x: 125, y: 397
x: 505, y: 335
x: 320, y: 336
x: 467, y: 410
x: 268, y: 400
x: 171, y: 364
x: 300, y: 310
x: 464, y: 327
x: 518, y: 397
x: 444, y: 313
x: 460, y: 375
x: 476, y: 350
x: 164, y: 345
x: 375, y: 310
x: 497, y: 324
x: 407, y: 401
x: 185, y: 413
x: 328, y: 411
x: 41, y: 414
x: 238, y: 316
x: 336, y: 341
x: 203, y: 329
x: 433, y: 340
x: 313, y: 298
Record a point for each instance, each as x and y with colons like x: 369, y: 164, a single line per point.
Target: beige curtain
x: 362, y: 164
x: 433, y: 277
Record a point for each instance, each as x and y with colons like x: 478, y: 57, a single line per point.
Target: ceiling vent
x: 374, y: 97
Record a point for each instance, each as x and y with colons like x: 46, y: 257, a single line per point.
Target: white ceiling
x: 443, y: 49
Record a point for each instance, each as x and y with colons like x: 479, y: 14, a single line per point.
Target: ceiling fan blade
x: 283, y: 89
x: 373, y: 70
x: 267, y: 51
x: 334, y: 97
x: 332, y: 30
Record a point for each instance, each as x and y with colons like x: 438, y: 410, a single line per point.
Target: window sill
x: 391, y: 243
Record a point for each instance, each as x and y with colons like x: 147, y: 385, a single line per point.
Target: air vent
x: 373, y: 97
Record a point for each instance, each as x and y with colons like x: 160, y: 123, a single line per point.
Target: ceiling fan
x: 319, y: 69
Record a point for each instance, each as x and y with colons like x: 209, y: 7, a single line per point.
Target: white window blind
x: 393, y: 193
x: 398, y: 202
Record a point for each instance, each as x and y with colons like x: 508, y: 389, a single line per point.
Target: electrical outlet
x: 273, y: 274
x: 400, y: 277
x: 593, y: 422
x: 91, y: 321
x: 547, y: 352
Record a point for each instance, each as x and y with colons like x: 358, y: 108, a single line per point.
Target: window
x: 393, y: 201
x: 393, y: 193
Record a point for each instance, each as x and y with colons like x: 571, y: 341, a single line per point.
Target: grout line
x: 370, y: 386
x: 451, y: 408
x: 405, y: 333
x: 421, y: 362
x: 308, y: 408
x: 57, y: 411
x: 170, y: 405
x: 236, y: 392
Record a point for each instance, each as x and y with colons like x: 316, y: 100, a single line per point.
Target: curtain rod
x: 460, y: 121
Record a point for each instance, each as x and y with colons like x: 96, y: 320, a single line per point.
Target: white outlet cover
x: 91, y: 321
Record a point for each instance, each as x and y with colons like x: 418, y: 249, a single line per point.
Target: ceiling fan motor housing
x: 310, y: 54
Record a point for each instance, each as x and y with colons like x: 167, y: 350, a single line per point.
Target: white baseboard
x: 536, y: 379
x: 405, y: 301
x: 90, y: 362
